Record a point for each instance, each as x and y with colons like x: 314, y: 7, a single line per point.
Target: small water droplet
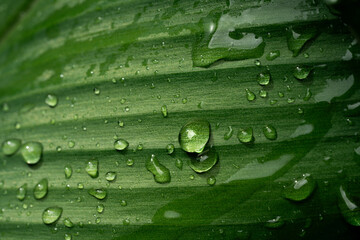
x: 68, y: 223
x: 160, y: 172
x: 51, y: 214
x: 121, y: 144
x: 297, y: 38
x: 164, y: 111
x: 96, y: 91
x: 41, y: 189
x: 11, y: 146
x: 92, y: 168
x: 302, y: 72
x: 51, y: 100
x: 229, y: 133
x: 31, y: 152
x: 276, y: 222
x: 97, y: 193
x: 348, y: 207
x: 211, y: 181
x: 68, y: 171
x: 71, y: 144
x: 264, y: 78
x: 21, y: 192
x: 250, y: 95
x: 273, y: 55
x: 245, y: 135
x: 110, y: 176
x: 67, y: 236
x: 179, y: 163
x: 270, y: 132
x: 100, y: 208
x: 308, y: 95
x: 263, y: 93
x: 123, y: 203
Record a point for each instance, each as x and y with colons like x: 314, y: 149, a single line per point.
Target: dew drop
x: 245, y: 135
x: 10, y: 146
x: 204, y: 161
x: 31, y: 152
x: 194, y: 135
x: 97, y: 193
x: 164, y: 111
x: 68, y: 171
x: 41, y: 189
x: 51, y: 100
x: 170, y: 148
x: 121, y: 144
x: 300, y: 189
x: 348, y: 207
x: 51, y: 214
x: 92, y: 168
x: 21, y: 192
x: 272, y: 55
x: 250, y: 95
x: 264, y: 78
x: 178, y: 163
x: 229, y: 133
x: 68, y: 223
x: 270, y: 132
x: 110, y: 176
x: 211, y: 181
x: 302, y: 72
x: 160, y: 172
x: 100, y: 208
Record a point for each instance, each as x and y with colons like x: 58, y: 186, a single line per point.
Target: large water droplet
x: 349, y: 208
x: 31, y: 152
x: 204, y: 161
x: 160, y: 172
x: 98, y: 193
x: 92, y: 168
x: 270, y: 132
x: 121, y: 144
x: 21, y: 192
x: 51, y: 214
x: 10, y: 146
x: 194, y: 135
x: 300, y: 189
x: 217, y: 39
x: 298, y: 37
x: 41, y: 189
x: 245, y: 135
x: 51, y: 100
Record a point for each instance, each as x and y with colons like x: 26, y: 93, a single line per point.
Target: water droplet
x: 17, y: 126
x: 31, y: 152
x: 263, y: 93
x: 96, y: 91
x: 92, y: 168
x: 21, y: 192
x: 110, y: 176
x: 302, y: 72
x: 229, y: 133
x: 308, y: 95
x: 126, y: 221
x: 211, y: 181
x: 100, y: 208
x: 123, y: 203
x: 67, y: 236
x: 348, y: 207
x: 68, y: 171
x: 270, y: 132
x: 257, y: 62
x: 71, y: 144
x: 264, y: 78
x: 300, y: 189
x: 97, y: 193
x: 68, y: 223
x: 170, y: 148
x: 80, y: 186
x: 194, y: 135
x: 204, y: 161
x: 41, y: 189
x: 250, y: 95
x: 273, y: 55
x: 5, y: 107
x: 10, y: 146
x: 179, y: 163
x: 129, y: 162
x: 160, y: 172
x: 218, y: 40
x: 281, y: 94
x: 276, y: 222
x: 51, y: 214
x: 164, y: 111
x: 121, y: 144
x: 297, y: 38
x: 245, y: 135
x: 51, y: 100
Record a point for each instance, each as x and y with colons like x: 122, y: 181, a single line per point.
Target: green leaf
x: 138, y: 71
